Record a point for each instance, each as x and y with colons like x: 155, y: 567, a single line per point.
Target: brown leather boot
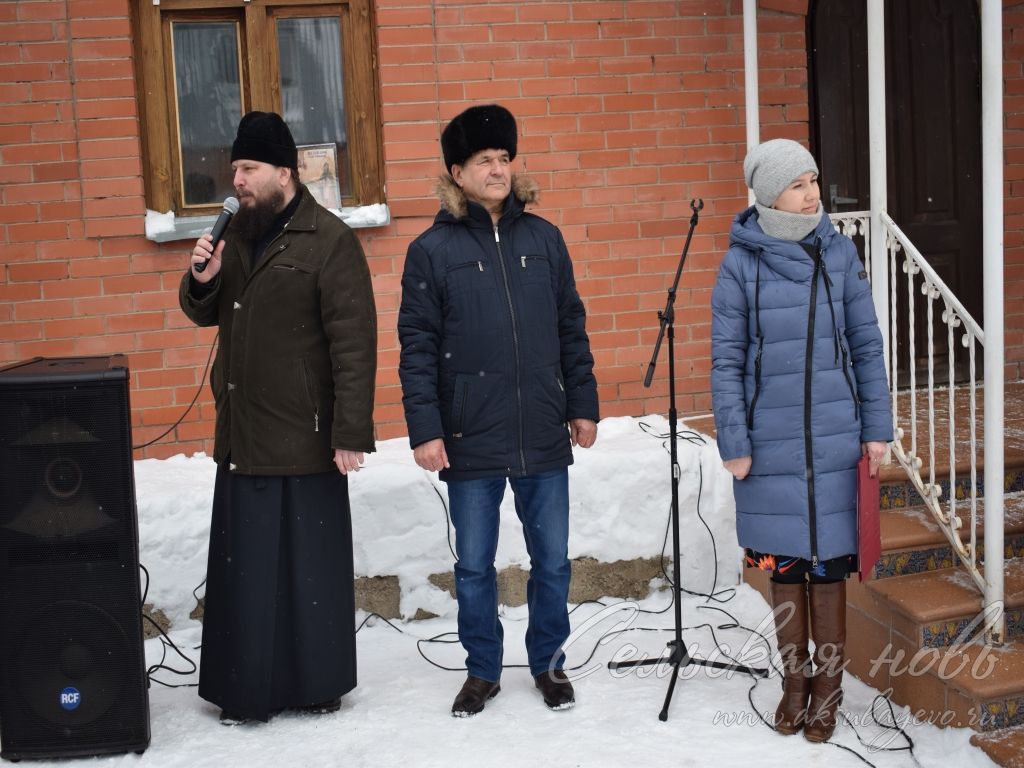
x: 790, y: 604
x: 828, y: 629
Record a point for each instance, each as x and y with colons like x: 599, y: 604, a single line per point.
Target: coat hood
x: 785, y: 257
x: 454, y: 201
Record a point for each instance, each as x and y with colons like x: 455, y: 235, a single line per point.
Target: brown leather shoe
x: 556, y: 689
x: 474, y: 694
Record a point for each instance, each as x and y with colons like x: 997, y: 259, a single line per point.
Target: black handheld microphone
x: 230, y: 209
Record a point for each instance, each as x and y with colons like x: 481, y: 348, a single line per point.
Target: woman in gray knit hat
x: 800, y: 392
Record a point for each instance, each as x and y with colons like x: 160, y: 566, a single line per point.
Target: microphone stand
x: 678, y: 656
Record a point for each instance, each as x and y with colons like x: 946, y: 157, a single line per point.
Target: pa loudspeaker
x: 72, y: 666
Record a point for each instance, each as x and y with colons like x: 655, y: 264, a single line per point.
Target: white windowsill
x: 166, y: 227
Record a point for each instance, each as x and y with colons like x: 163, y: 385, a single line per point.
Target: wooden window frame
x: 260, y: 86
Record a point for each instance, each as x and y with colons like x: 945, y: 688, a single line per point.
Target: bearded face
x: 260, y: 188
x: 254, y: 219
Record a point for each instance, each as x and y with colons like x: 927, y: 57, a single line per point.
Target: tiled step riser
x: 903, y: 494
x: 889, y: 660
x: 945, y: 634
x: 1002, y: 713
x: 920, y: 560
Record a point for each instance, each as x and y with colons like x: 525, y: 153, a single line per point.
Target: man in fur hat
x: 289, y: 290
x: 498, y: 385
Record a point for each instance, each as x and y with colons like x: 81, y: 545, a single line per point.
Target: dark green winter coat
x: 294, y: 373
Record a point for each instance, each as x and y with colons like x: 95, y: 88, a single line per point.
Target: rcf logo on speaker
x: 70, y: 698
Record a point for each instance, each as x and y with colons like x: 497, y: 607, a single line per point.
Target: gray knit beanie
x: 770, y: 167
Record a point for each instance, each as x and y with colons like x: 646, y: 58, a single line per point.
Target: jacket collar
x: 303, y: 220
x: 305, y: 216
x: 456, y: 205
x: 786, y: 257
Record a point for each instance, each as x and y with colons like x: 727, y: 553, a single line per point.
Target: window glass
x: 209, y: 105
x: 313, y: 98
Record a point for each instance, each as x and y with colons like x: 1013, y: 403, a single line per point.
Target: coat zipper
x: 463, y: 396
x: 808, y: 441
x: 515, y: 347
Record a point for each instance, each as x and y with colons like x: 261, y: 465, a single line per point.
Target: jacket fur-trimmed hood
x: 453, y: 199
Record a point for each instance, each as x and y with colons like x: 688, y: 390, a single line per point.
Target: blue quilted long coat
x: 798, y: 383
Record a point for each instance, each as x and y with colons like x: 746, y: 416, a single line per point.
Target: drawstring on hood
x: 787, y: 258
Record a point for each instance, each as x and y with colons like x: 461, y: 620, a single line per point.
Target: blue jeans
x: 542, y: 504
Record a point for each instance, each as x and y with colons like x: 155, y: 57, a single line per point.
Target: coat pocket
x: 849, y: 381
x: 477, y: 404
x: 309, y: 387
x: 459, y: 405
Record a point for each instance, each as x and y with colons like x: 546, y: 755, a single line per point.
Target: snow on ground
x: 399, y: 714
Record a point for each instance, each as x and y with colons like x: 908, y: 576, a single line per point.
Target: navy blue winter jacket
x: 798, y: 383
x: 495, y: 355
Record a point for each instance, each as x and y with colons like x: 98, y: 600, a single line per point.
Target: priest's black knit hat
x: 489, y: 126
x: 264, y: 136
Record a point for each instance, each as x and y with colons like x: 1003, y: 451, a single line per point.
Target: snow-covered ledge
x: 166, y: 227
x: 619, y: 493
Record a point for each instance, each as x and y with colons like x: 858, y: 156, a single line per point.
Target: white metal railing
x: 957, y: 517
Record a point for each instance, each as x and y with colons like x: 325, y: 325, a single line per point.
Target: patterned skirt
x: 783, y: 565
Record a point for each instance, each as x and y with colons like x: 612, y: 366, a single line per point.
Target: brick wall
x: 627, y: 111
x: 1013, y: 138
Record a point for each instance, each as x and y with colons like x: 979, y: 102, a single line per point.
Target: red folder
x: 869, y: 528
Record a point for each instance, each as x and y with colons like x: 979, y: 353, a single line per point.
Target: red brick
x: 105, y: 344
x: 55, y: 171
x: 43, y: 310
x: 68, y: 249
x: 100, y: 108
x: 101, y: 49
x: 403, y: 17
x: 30, y: 233
x: 114, y: 206
x: 130, y: 187
x: 20, y: 292
x: 44, y: 348
x: 18, y: 213
x: 104, y: 89
x: 67, y: 210
x: 21, y: 331
x: 111, y: 169
x: 53, y: 53
x: 81, y: 9
x: 15, y: 93
x: 26, y: 113
x: 140, y: 321
x: 72, y: 288
x: 55, y: 91
x: 35, y: 11
x: 547, y: 11
x: 25, y: 32
x: 71, y: 328
x: 15, y: 134
x: 54, y: 132
x: 101, y: 28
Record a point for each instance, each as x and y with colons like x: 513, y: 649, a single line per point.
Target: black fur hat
x: 264, y: 136
x: 489, y: 126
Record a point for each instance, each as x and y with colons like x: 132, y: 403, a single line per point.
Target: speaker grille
x: 73, y: 671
